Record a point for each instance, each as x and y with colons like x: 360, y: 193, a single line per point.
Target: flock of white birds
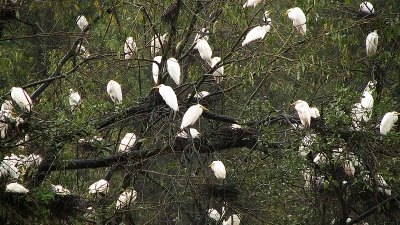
x: 14, y: 166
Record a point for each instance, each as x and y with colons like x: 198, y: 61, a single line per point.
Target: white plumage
x: 115, y: 91
x: 203, y: 34
x: 314, y: 112
x: 367, y: 102
x: 156, y: 43
x: 74, y: 99
x: 129, y: 47
x: 303, y: 109
x: 174, y: 70
x: 193, y: 133
x: 388, y: 121
x: 204, y: 50
x: 213, y: 214
x: 299, y: 19
x: 257, y: 32
x: 83, y: 53
x: 16, y: 188
x: 7, y: 105
x: 156, y: 69
x: 191, y: 115
x: 169, y: 96
x: 100, y: 186
x: 382, y: 186
x: 127, y: 142
x: 219, y: 169
x: 126, y: 198
x: 232, y: 220
x: 250, y: 3
x: 371, y: 43
x: 60, y: 190
x: 200, y: 95
x: 82, y: 22
x: 219, y: 72
x: 366, y: 7
x: 22, y: 99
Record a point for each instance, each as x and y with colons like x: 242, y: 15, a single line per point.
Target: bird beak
x: 210, y: 165
x: 156, y: 87
x: 286, y: 13
x: 269, y: 11
x: 397, y: 114
x: 204, y: 108
x: 294, y: 103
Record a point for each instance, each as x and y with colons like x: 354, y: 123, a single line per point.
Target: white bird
x: 250, y: 3
x: 382, y: 186
x: 303, y: 109
x: 193, y: 133
x: 60, y: 190
x: 7, y: 105
x: 232, y: 220
x: 307, y: 141
x: 16, y: 188
x: 257, y: 32
x: 129, y: 47
x: 82, y: 51
x: 204, y: 32
x: 192, y: 114
x: 200, y: 95
x: 388, y: 121
x: 74, y: 99
x: 213, y: 214
x: 169, y: 96
x: 127, y: 142
x: 371, y: 43
x: 156, y: 69
x: 22, y: 98
x: 299, y: 19
x: 174, y: 70
x: 314, y: 112
x: 115, y: 91
x: 100, y: 186
x: 219, y: 169
x: 204, y: 50
x: 366, y: 7
x: 219, y: 72
x: 367, y: 102
x: 82, y: 22
x: 126, y: 198
x: 156, y: 43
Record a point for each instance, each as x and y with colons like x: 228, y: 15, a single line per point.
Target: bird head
x: 211, y: 164
x: 288, y: 11
x: 294, y: 103
x: 71, y: 90
x: 266, y: 15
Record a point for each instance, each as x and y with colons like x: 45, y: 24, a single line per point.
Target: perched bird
x: 303, y: 110
x: 126, y: 198
x: 299, y: 19
x: 129, y: 47
x: 7, y: 105
x: 16, y: 188
x: 192, y: 114
x: 174, y: 70
x: 156, y: 68
x: 82, y: 22
x: 236, y: 126
x: 367, y: 102
x: 100, y: 186
x: 204, y: 50
x: 314, y: 112
x: 250, y: 3
x: 382, y: 186
x: 257, y: 32
x: 213, y: 214
x: 388, y: 120
x: 367, y: 8
x: 156, y: 43
x: 203, y: 34
x: 193, y: 133
x: 127, y: 142
x: 74, y: 99
x: 219, y: 72
x: 60, y: 190
x: 22, y: 99
x: 307, y: 141
x: 219, y: 169
x: 83, y: 53
x: 371, y: 43
x: 232, y: 220
x: 169, y: 96
x: 114, y: 90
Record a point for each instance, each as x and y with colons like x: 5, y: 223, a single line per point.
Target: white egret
x: 156, y: 69
x: 115, y: 91
x: 156, y: 43
x: 307, y: 141
x: 33, y: 160
x: 257, y: 32
x: 314, y: 112
x: 388, y: 121
x: 100, y: 186
x: 219, y: 169
x: 367, y: 102
x: 382, y: 186
x: 193, y: 133
x: 174, y: 70
x: 129, y: 47
x: 7, y: 105
x: 60, y: 190
x: 232, y: 220
x: 213, y: 214
x: 371, y: 43
x: 82, y: 22
x: 367, y: 8
x: 303, y: 109
x: 82, y: 51
x: 22, y: 98
x: 16, y: 188
x: 250, y: 3
x: 200, y: 95
x: 126, y: 198
x: 204, y: 50
x: 74, y: 99
x: 299, y: 19
x: 219, y: 72
x: 203, y: 34
x: 169, y: 96
x: 192, y: 114
x: 127, y: 142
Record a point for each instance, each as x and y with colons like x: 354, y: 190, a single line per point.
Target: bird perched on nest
x: 101, y: 186
x: 126, y: 198
x: 60, y: 190
x: 219, y: 169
